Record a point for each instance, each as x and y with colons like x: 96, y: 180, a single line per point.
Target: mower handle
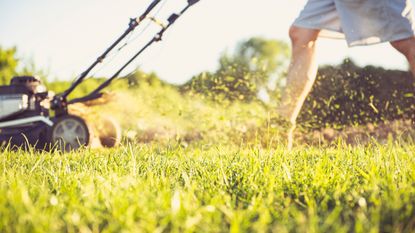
x: 131, y: 26
x: 171, y: 20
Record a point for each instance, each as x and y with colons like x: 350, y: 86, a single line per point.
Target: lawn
x: 190, y: 165
x: 210, y: 188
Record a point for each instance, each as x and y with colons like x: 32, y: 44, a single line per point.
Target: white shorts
x: 360, y: 22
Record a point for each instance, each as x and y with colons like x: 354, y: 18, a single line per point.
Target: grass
x: 147, y: 188
x: 216, y: 168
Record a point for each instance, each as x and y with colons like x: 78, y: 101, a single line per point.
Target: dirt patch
x: 396, y: 130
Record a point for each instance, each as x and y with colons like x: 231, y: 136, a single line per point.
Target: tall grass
x: 215, y: 168
x: 218, y: 188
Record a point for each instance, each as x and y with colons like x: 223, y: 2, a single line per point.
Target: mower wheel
x: 109, y: 132
x: 70, y: 133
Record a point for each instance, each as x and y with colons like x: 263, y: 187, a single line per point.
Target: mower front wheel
x: 70, y: 133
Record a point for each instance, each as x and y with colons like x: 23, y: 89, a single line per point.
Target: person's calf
x: 407, y: 48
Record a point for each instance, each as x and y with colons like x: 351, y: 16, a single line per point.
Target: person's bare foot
x: 290, y: 137
x: 285, y: 131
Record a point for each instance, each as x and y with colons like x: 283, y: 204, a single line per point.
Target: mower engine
x: 25, y: 120
x: 24, y: 113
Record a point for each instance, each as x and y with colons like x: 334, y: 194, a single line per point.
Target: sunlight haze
x: 64, y: 37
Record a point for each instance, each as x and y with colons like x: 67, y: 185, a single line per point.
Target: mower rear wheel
x: 70, y: 133
x: 109, y: 132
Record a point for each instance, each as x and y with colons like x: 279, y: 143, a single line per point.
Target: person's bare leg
x: 301, y: 75
x: 407, y: 48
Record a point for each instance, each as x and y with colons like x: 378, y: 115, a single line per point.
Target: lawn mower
x: 30, y: 116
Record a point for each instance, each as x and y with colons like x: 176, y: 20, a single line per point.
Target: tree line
x: 343, y: 95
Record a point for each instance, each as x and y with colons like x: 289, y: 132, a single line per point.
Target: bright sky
x: 64, y: 37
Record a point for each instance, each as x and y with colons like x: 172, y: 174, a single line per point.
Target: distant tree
x: 255, y: 64
x: 8, y: 65
x: 262, y: 56
x: 139, y: 77
x: 11, y: 66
